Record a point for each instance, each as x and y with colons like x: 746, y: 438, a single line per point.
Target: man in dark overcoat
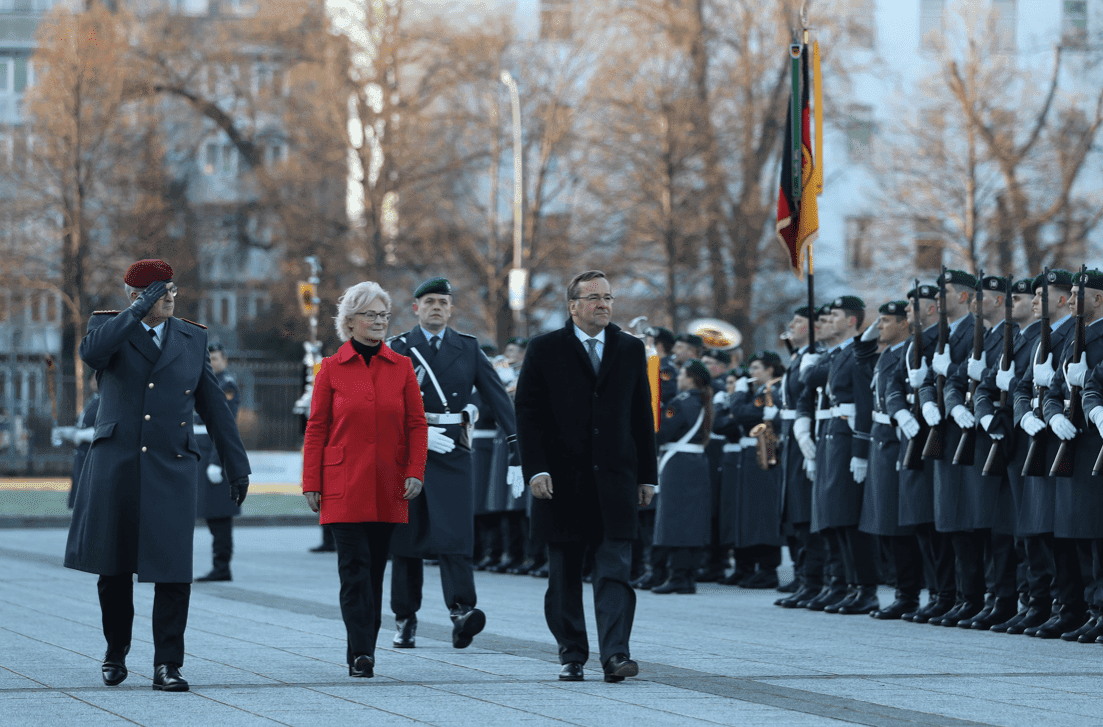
x: 449, y: 367
x: 135, y: 505
x: 588, y: 449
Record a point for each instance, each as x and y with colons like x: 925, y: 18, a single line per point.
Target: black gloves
x: 239, y: 488
x: 152, y: 293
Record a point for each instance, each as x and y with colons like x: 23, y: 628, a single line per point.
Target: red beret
x: 144, y: 272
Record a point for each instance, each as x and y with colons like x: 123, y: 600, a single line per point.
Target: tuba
x: 766, y: 438
x: 716, y: 333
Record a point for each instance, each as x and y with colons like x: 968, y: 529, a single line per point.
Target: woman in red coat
x: 364, y: 458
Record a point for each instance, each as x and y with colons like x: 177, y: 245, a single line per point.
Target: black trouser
x: 457, y: 581
x: 1040, y: 569
x: 488, y: 542
x: 327, y: 537
x: 170, y: 617
x: 765, y: 557
x: 1070, y: 575
x: 361, y: 561
x: 1000, y: 565
x: 855, y: 550
x: 536, y: 548
x: 614, y: 599
x: 222, y: 542
x: 938, y: 562
x: 683, y: 561
x: 811, y: 555
x: 907, y: 563
x: 969, y: 548
x: 513, y: 535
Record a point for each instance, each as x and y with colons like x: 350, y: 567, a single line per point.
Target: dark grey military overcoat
x: 683, y: 514
x: 213, y: 500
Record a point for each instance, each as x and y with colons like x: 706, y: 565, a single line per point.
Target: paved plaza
x: 269, y: 649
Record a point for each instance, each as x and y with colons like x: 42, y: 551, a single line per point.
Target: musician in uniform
x: 662, y: 340
x: 717, y: 361
x: 449, y: 366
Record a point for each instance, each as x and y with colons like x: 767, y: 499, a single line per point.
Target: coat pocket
x: 103, y: 431
x: 333, y: 472
x: 193, y: 446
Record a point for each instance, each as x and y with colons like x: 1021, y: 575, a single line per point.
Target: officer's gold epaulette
x: 194, y: 323
x: 105, y: 312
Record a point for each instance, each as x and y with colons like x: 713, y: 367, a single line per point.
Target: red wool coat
x: 366, y: 434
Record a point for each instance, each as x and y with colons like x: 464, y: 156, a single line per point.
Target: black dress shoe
x: 1003, y: 610
x: 793, y: 601
x: 951, y: 614
x: 651, y: 580
x: 1033, y: 618
x: 709, y: 574
x: 1093, y: 636
x: 791, y: 587
x: 851, y: 594
x: 896, y: 610
x: 541, y: 572
x: 828, y: 596
x: 362, y: 666
x: 524, y: 568
x: 762, y: 579
x: 1058, y: 625
x: 865, y: 602
x: 1089, y: 625
x: 1002, y: 628
x: 935, y: 608
x: 114, y: 671
x: 166, y: 678
x: 466, y: 624
x: 324, y: 548
x: 486, y: 562
x: 223, y: 575
x: 407, y: 629
x: 968, y: 609
x: 737, y: 576
x: 967, y: 623
x: 620, y: 666
x: 678, y: 583
x: 571, y: 672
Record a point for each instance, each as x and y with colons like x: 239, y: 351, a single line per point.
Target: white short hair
x: 355, y: 300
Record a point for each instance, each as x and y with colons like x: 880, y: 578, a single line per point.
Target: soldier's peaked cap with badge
x: 440, y: 286
x: 144, y: 272
x: 894, y: 308
x: 930, y: 292
x: 959, y: 277
x: 993, y: 284
x: 1062, y: 278
x: 847, y: 302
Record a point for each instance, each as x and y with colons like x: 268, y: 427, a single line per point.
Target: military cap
x: 1024, y: 286
x: 722, y: 356
x: 489, y: 349
x: 804, y: 311
x: 738, y: 371
x: 1091, y: 279
x: 768, y: 358
x: 847, y: 302
x: 436, y: 285
x: 1061, y: 278
x: 661, y: 335
x: 697, y: 370
x: 894, y: 308
x: 518, y: 341
x: 959, y: 277
x: 992, y: 284
x: 215, y: 346
x: 930, y: 292
x: 144, y: 272
x: 823, y: 310
x: 692, y: 339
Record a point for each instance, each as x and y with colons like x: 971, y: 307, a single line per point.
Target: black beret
x: 692, y: 339
x: 436, y: 285
x: 1091, y: 279
x: 992, y: 284
x: 823, y: 310
x: 804, y: 311
x: 518, y: 341
x: 661, y: 335
x: 489, y: 349
x: 959, y: 277
x: 894, y: 308
x: 1062, y: 278
x: 1026, y: 285
x: 847, y: 302
x: 929, y: 292
x: 722, y: 356
x: 740, y: 370
x: 698, y: 370
x: 768, y: 358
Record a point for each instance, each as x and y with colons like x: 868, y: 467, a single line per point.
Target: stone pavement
x: 269, y: 649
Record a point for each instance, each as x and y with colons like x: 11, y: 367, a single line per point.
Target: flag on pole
x: 798, y: 219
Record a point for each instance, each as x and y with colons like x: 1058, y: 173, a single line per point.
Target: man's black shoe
x: 864, y: 602
x: 620, y: 666
x: 737, y: 576
x: 680, y: 583
x: 649, y: 581
x: 896, y: 610
x: 967, y: 623
x: 524, y: 568
x: 1058, y: 625
x: 1088, y: 626
x: 1002, y: 628
x: 223, y: 575
x: 761, y: 579
x: 324, y: 548
x: 504, y: 565
x: 1033, y: 618
x: 486, y: 562
x: 467, y: 622
x: 851, y: 595
x: 362, y: 666
x: 709, y: 574
x: 166, y: 678
x: 827, y: 597
x: 952, y: 614
x: 935, y: 608
x: 541, y: 572
x: 805, y: 594
x: 1093, y: 636
x: 114, y: 671
x: 791, y: 587
x: 968, y: 609
x: 571, y: 672
x: 407, y: 629
x: 1003, y: 610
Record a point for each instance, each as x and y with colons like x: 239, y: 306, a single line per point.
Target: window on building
x: 227, y: 158
x: 860, y: 129
x: 1004, y: 24
x: 862, y: 23
x: 224, y: 316
x: 931, y: 19
x: 555, y: 19
x: 1074, y: 23
x: 19, y: 75
x: 52, y: 308
x: 36, y: 308
x: 859, y: 246
x: 210, y: 164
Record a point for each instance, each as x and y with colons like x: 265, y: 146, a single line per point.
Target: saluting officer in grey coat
x: 449, y: 366
x: 135, y: 505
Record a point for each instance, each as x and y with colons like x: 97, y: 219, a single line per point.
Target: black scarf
x: 366, y: 351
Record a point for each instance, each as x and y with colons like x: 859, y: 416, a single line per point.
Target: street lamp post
x: 518, y: 276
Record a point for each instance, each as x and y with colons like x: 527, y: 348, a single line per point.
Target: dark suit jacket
x: 594, y: 434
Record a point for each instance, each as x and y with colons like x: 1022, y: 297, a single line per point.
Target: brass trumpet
x: 766, y: 445
x: 716, y: 333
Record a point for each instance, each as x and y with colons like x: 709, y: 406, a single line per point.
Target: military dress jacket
x: 750, y: 501
x: 881, y: 489
x: 135, y: 505
x: 213, y: 500
x: 684, y: 511
x: 442, y: 519
x: 796, y: 495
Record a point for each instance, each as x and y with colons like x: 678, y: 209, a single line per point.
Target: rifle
x: 1065, y: 460
x: 1035, y: 464
x: 967, y: 445
x: 936, y: 436
x: 996, y: 462
x: 913, y: 455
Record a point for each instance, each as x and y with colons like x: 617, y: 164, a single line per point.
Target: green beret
x: 518, y: 341
x: 992, y: 284
x: 661, y: 335
x: 894, y: 308
x: 697, y: 370
x: 1062, y: 278
x: 436, y: 285
x: 1091, y: 279
x: 803, y: 311
x: 930, y: 292
x: 768, y: 358
x: 847, y: 302
x: 692, y: 339
x: 823, y: 310
x: 1024, y: 286
x: 722, y: 356
x: 959, y: 277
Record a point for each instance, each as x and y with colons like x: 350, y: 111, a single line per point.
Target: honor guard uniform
x: 881, y: 494
x: 916, y: 486
x: 718, y: 363
x: 82, y: 437
x: 796, y: 495
x: 682, y: 517
x: 952, y: 516
x: 1078, y: 496
x: 488, y: 527
x: 449, y: 366
x: 668, y: 369
x: 1035, y: 523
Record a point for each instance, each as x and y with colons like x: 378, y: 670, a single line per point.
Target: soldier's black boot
x: 1065, y: 618
x: 968, y: 609
x: 803, y: 595
x: 1002, y: 611
x: 865, y: 602
x: 407, y: 629
x: 851, y: 594
x: 681, y: 581
x: 989, y: 604
x: 1090, y: 625
x: 904, y: 603
x: 830, y: 593
x: 467, y: 623
x: 1033, y: 617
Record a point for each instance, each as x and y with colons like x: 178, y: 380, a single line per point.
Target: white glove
x: 1004, y: 378
x: 909, y: 427
x: 932, y: 414
x: 1095, y: 416
x: 1062, y: 427
x: 963, y: 417
x: 720, y: 398
x: 940, y: 362
x: 859, y: 467
x: 810, y: 468
x: 916, y: 377
x: 84, y: 435
x: 1031, y: 424
x: 1075, y: 373
x: 986, y: 421
x: 809, y: 360
x: 871, y: 333
x: 516, y: 481
x: 1044, y: 372
x: 472, y: 413
x: 440, y: 442
x: 976, y: 368
x: 742, y: 386
x: 769, y: 413
x: 802, y: 430
x: 214, y: 474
